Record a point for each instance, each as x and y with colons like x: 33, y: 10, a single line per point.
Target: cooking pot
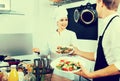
x: 42, y: 67
x: 43, y: 63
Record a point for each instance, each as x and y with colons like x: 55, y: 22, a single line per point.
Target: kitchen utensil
x: 14, y: 61
x: 2, y: 57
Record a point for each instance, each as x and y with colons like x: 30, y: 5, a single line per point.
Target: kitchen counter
x: 59, y: 78
x: 55, y: 78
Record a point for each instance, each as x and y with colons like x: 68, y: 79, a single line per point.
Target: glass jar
x: 30, y: 76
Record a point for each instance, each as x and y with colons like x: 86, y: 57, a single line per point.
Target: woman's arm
x: 87, y: 55
x: 108, y: 71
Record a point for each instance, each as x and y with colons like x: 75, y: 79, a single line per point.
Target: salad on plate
x: 64, y: 50
x: 67, y: 64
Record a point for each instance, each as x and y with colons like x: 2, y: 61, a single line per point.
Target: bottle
x: 5, y: 75
x: 1, y: 75
x: 21, y: 75
x: 30, y: 76
x: 13, y: 76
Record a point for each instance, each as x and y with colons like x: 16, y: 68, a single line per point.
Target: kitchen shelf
x: 11, y: 12
x: 64, y: 2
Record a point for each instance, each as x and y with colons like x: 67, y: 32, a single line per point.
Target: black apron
x: 101, y: 61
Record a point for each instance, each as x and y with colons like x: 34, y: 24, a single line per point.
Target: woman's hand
x: 36, y: 50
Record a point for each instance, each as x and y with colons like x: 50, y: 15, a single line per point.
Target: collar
x: 61, y: 31
x: 107, y: 19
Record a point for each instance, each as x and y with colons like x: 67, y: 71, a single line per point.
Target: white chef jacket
x: 111, y: 40
x: 65, y: 38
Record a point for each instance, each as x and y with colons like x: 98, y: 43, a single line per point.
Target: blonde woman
x: 60, y: 37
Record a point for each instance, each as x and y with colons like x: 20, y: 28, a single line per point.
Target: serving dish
x: 66, y: 64
x: 64, y: 50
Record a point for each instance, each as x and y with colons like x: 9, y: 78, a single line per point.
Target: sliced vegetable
x: 66, y: 65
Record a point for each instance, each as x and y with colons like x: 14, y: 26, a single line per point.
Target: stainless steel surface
x: 16, y: 44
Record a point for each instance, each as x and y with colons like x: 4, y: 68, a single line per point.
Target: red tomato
x: 67, y: 62
x: 70, y: 68
x: 65, y: 69
x: 61, y: 60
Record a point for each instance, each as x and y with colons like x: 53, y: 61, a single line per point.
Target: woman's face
x: 62, y: 23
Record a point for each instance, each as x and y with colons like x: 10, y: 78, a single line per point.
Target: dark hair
x: 111, y: 4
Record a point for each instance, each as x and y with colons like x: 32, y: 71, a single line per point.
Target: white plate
x: 55, y: 62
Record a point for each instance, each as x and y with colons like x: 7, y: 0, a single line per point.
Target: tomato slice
x: 67, y: 62
x: 61, y: 60
x: 70, y: 68
x: 65, y: 69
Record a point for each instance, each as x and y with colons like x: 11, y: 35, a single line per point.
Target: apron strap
x: 109, y: 24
